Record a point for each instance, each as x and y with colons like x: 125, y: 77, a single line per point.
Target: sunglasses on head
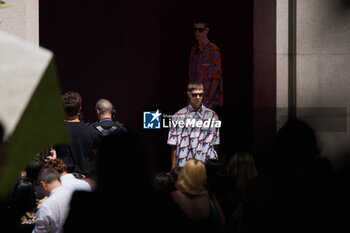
x: 196, y: 94
x: 198, y: 29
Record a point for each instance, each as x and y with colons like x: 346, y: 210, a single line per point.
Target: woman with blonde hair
x: 194, y: 200
x: 192, y: 178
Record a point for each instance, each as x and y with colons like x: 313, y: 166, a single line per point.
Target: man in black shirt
x: 105, y: 125
x: 83, y: 139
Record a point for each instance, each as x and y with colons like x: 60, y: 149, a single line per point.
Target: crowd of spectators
x: 115, y: 187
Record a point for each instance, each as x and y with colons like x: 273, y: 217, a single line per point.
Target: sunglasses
x: 196, y: 94
x: 198, y: 29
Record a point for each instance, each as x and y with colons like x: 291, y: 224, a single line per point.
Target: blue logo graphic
x: 151, y: 120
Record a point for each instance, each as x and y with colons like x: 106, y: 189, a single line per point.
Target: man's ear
x: 42, y: 184
x: 80, y: 108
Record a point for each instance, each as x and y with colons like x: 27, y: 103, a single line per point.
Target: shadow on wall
x: 345, y: 4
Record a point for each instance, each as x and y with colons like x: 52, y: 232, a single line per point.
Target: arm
x: 53, y: 154
x: 215, y: 75
x: 212, y: 90
x: 44, y: 221
x: 172, y: 140
x: 173, y: 157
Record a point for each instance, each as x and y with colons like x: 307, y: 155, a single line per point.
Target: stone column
x: 21, y: 18
x: 322, y: 71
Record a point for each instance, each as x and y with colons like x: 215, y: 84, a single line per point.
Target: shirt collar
x: 105, y: 119
x: 191, y: 109
x: 55, y: 190
x: 203, y: 44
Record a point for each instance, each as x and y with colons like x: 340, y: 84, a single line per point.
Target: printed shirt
x: 205, y: 66
x: 192, y: 141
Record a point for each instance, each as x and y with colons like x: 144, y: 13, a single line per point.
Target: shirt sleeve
x: 216, y: 140
x: 216, y: 64
x: 85, y: 186
x: 44, y: 221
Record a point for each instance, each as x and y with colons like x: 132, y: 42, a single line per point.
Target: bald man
x: 105, y: 113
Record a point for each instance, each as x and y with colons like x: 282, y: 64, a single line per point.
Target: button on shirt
x: 53, y: 211
x: 190, y: 140
x: 204, y: 67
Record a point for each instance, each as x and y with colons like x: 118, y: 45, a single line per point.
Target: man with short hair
x: 106, y: 125
x: 205, y: 65
x: 53, y: 211
x: 83, y: 139
x: 194, y: 131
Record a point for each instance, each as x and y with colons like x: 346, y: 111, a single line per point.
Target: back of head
x: 56, y: 164
x: 161, y: 182
x: 242, y: 164
x: 23, y: 198
x: 48, y: 175
x: 296, y: 143
x: 34, y: 167
x: 69, y: 163
x: 192, y: 178
x: 165, y: 181
x: 104, y: 106
x: 242, y: 168
x: 72, y: 102
x: 174, y: 174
